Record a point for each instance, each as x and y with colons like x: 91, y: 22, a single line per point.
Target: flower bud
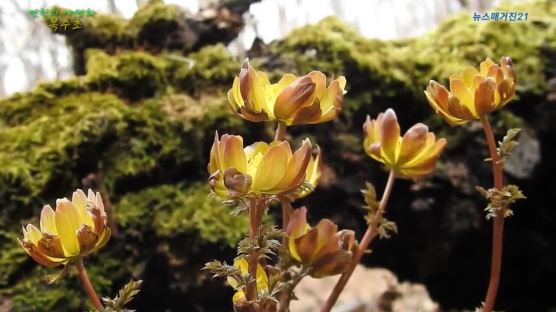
x: 323, y: 248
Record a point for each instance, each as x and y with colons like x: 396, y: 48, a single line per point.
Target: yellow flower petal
x: 232, y: 154
x: 48, y: 222
x: 272, y: 167
x: 67, y: 223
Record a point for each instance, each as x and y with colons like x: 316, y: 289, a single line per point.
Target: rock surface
x: 368, y: 290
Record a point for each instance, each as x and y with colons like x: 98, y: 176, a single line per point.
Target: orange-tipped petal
x: 390, y: 134
x: 484, y: 97
x: 413, y: 142
x: 293, y: 97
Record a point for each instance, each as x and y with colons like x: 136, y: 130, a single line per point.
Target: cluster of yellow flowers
x: 273, y: 170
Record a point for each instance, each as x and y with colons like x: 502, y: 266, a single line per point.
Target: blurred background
x: 128, y: 104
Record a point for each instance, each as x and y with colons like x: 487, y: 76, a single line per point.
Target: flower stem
x: 254, y: 224
x: 286, y: 208
x: 284, y: 302
x: 280, y: 131
x: 368, y: 237
x: 498, y: 221
x: 87, y: 284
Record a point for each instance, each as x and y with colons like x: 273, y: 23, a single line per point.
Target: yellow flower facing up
x: 76, y: 229
x: 412, y: 156
x: 474, y: 93
x: 260, y: 168
x: 292, y: 100
x: 262, y: 281
x: 323, y: 248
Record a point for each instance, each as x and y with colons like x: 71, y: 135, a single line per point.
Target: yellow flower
x: 412, y: 156
x: 474, y: 93
x: 323, y: 248
x: 261, y: 168
x: 293, y: 100
x: 262, y: 281
x: 76, y: 229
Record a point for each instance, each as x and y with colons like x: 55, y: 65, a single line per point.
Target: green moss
x: 169, y: 210
x: 133, y: 75
x: 210, y: 67
x: 49, y: 139
x: 164, y: 135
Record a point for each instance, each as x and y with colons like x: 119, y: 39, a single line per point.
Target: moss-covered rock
x: 171, y: 210
x: 157, y: 25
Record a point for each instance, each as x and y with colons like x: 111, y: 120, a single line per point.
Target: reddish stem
x: 498, y: 223
x: 368, y: 237
x: 87, y: 284
x: 253, y: 261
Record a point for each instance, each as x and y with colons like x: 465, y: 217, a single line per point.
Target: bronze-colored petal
x: 305, y: 245
x: 484, y: 97
x: 297, y: 167
x: 297, y: 225
x: 413, y: 142
x: 231, y: 153
x: 99, y: 220
x: 296, y: 95
x: 87, y: 239
x: 496, y: 73
x: 332, y: 264
x: 51, y: 246
x: 308, y: 114
x: 390, y: 134
x: 37, y: 255
x: 439, y: 94
x: 506, y: 90
x: 244, y: 79
x: 326, y: 232
x: 103, y: 239
x: 236, y: 182
x: 248, y: 113
x: 456, y: 109
x: 506, y: 64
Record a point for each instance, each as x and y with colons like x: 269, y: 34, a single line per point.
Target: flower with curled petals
x: 75, y: 229
x: 260, y: 168
x: 323, y: 248
x: 292, y: 100
x: 412, y: 156
x: 474, y: 93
